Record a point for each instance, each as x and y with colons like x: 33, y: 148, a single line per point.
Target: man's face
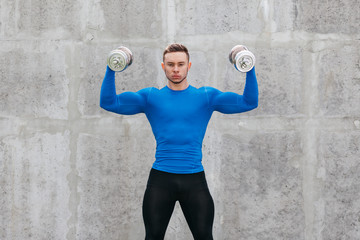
x: 176, y: 66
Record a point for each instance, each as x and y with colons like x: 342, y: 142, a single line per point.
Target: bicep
x: 129, y: 103
x: 229, y: 102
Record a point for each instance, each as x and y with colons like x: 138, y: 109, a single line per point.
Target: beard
x: 178, y: 81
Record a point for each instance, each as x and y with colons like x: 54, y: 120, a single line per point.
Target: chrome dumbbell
x: 242, y: 58
x: 119, y: 59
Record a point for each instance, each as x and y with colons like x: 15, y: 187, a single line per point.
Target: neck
x: 178, y: 86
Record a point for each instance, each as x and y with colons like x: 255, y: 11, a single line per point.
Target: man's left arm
x: 230, y: 102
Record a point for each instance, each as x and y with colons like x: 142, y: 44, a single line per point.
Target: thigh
x: 198, y: 208
x: 158, y: 206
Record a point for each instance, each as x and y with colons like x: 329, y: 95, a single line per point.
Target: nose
x: 176, y: 68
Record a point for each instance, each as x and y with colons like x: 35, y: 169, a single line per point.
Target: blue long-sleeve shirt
x: 178, y: 118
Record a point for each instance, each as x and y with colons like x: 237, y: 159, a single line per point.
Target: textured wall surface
x: 288, y: 170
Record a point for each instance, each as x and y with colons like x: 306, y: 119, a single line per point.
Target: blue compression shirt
x: 178, y: 118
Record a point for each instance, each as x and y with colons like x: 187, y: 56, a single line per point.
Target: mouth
x: 176, y: 79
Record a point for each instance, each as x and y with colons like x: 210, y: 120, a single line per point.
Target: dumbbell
x: 242, y: 58
x: 119, y: 59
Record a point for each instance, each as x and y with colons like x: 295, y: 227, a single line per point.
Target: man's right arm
x: 126, y: 103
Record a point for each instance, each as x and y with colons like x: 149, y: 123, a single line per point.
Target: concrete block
x: 42, y: 19
x: 284, y: 16
x: 5, y: 192
x: 211, y: 17
x: 33, y: 79
x: 145, y: 71
x: 280, y: 85
x: 34, y: 190
x: 113, y: 172
x: 132, y: 19
x: 339, y: 81
x: 257, y: 187
x: 327, y: 17
x: 10, y: 126
x: 338, y: 204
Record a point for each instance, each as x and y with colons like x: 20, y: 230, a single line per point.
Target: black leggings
x: 191, y: 190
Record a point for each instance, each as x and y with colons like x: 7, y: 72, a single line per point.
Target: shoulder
x: 210, y: 91
x: 147, y: 91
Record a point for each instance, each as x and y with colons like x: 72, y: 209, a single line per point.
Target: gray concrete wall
x: 287, y: 170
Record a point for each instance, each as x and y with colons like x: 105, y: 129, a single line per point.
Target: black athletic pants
x: 191, y: 190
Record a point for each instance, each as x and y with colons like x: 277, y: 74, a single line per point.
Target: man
x: 178, y: 114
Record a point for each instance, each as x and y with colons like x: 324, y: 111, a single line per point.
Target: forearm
x: 108, y: 90
x: 251, y: 92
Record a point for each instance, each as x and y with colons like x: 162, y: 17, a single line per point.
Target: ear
x: 189, y: 66
x: 163, y: 65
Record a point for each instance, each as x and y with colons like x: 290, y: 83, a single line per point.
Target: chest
x: 178, y: 106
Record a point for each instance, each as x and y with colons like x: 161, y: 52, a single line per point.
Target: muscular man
x: 178, y: 114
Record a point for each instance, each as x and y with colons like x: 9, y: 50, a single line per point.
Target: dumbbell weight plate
x: 119, y: 59
x: 242, y: 58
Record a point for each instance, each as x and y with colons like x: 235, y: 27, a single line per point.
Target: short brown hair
x: 176, y: 47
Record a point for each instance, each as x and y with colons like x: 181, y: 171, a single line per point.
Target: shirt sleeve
x: 127, y: 103
x: 230, y: 102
